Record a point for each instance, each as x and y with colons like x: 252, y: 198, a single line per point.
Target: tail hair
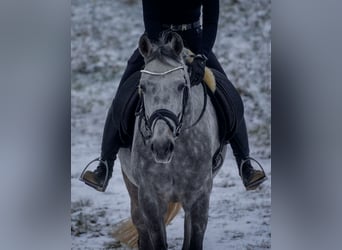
x: 127, y: 234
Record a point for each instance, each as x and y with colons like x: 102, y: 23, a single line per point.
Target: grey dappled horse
x: 175, y: 138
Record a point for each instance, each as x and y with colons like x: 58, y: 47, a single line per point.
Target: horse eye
x: 181, y: 86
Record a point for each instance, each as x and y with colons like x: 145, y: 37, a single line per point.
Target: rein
x: 167, y: 115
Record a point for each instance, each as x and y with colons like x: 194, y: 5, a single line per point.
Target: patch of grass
x: 77, y: 86
x: 85, y: 220
x: 79, y: 205
x: 113, y: 245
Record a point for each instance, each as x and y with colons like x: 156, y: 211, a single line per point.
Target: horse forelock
x: 162, y: 51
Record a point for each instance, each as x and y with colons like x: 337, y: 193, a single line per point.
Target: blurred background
x: 35, y: 111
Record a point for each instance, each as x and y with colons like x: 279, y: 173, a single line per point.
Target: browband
x: 161, y: 73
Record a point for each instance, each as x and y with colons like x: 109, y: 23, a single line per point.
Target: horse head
x: 164, y: 88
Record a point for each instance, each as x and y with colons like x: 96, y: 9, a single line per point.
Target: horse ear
x: 176, y: 43
x: 145, y: 46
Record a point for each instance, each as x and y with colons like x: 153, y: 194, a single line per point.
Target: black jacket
x: 159, y: 12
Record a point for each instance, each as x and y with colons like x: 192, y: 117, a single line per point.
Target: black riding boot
x: 251, y: 177
x: 99, y: 178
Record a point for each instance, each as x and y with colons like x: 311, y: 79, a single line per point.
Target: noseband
x: 163, y: 114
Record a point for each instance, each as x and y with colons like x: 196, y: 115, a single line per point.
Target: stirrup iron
x: 93, y: 185
x: 253, y: 185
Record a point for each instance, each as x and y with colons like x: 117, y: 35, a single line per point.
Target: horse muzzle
x: 162, y: 150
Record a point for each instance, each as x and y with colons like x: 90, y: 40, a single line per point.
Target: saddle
x: 223, y: 95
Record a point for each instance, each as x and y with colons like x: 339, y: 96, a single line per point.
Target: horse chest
x: 176, y: 180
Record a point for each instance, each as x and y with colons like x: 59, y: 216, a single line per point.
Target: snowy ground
x: 104, y: 33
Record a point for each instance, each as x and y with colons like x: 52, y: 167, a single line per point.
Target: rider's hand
x: 197, y: 69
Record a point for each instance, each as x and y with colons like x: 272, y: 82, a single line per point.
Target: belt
x: 182, y: 27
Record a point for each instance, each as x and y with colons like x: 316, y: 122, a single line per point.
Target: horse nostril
x: 162, y: 147
x: 169, y: 147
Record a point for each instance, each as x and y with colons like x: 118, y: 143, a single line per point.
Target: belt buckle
x: 184, y: 27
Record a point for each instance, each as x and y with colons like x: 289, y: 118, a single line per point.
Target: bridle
x: 146, y: 123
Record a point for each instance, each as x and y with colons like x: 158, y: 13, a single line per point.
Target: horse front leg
x: 187, y: 231
x: 153, y: 211
x: 199, y: 220
x: 144, y: 242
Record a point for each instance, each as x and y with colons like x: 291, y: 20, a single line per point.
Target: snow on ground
x: 104, y: 34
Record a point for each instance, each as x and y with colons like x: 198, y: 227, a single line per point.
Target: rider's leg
x: 111, y: 141
x: 239, y: 143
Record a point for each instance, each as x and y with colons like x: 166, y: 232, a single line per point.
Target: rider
x: 182, y: 17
